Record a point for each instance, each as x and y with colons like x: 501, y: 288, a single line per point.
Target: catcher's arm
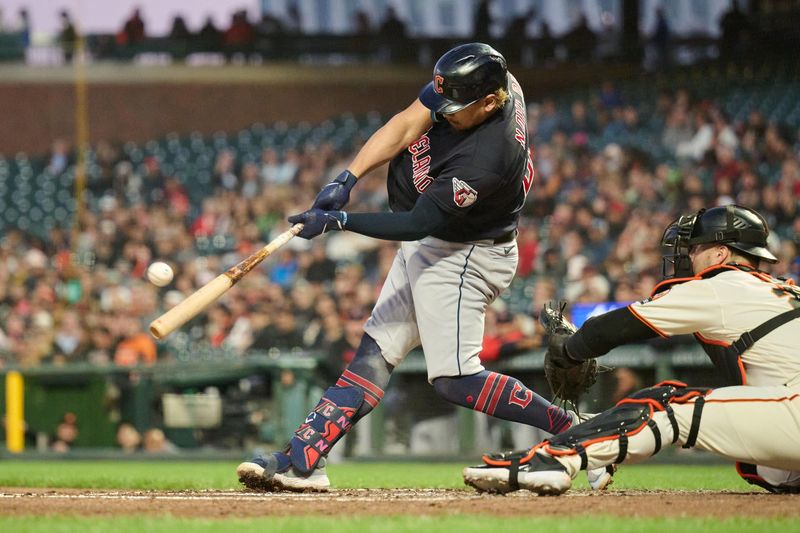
x: 602, y: 333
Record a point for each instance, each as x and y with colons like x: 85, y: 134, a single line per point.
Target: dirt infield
x: 242, y: 504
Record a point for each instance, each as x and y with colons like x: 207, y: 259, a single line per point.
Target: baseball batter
x: 745, y: 319
x: 459, y: 172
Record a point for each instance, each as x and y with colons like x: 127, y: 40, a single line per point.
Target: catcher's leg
x: 632, y: 431
x: 774, y: 480
x: 504, y: 397
x: 301, y: 466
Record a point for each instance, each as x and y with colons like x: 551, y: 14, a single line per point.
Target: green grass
x: 415, y: 524
x: 197, y: 475
x: 187, y: 475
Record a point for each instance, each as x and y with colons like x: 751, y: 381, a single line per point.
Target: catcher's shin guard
x: 627, y: 419
x: 324, y: 426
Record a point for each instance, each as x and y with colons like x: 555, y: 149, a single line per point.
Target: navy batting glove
x: 316, y: 222
x: 336, y: 194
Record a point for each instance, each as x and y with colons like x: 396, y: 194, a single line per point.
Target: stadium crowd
x: 588, y: 234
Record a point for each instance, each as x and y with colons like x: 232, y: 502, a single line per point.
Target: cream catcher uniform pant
x: 436, y: 294
x: 757, y: 425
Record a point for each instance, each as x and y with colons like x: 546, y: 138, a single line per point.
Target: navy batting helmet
x: 463, y: 75
x: 737, y: 227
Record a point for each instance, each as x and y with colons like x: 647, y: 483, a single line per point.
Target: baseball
x: 159, y: 274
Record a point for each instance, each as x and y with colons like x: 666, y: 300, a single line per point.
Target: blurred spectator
x: 70, y: 338
x: 661, y: 40
x: 504, y: 335
x: 734, y: 26
x: 179, y: 30
x: 393, y: 36
x: 581, y: 41
x: 609, y: 97
x: 482, y: 21
x: 362, y: 35
x: 133, y: 31
x: 240, y: 37
x: 136, y: 346
x: 24, y: 28
x: 627, y: 382
x: 154, y: 441
x: 516, y: 36
x: 66, y: 433
x: 545, y: 45
x: 209, y: 37
x: 270, y: 25
x: 67, y: 36
x: 283, y: 333
x: 128, y: 437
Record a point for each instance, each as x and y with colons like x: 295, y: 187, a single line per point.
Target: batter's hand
x: 316, y: 222
x: 336, y: 194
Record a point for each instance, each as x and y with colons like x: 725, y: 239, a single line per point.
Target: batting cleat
x: 542, y: 474
x: 275, y: 473
x: 601, y: 478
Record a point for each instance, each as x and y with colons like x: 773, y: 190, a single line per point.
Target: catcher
x: 745, y: 319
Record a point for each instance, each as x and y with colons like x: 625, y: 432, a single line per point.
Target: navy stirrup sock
x: 504, y: 397
x: 368, y: 371
x: 356, y: 393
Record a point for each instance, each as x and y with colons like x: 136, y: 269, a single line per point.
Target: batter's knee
x: 448, y: 389
x: 369, y: 351
x: 454, y: 390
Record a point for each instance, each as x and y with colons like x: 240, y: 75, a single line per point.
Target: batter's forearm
x: 424, y: 219
x: 401, y: 130
x: 600, y: 334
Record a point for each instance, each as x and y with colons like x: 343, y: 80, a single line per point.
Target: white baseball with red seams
x: 159, y: 274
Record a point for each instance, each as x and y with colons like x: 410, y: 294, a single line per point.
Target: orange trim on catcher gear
x: 672, y: 382
x: 673, y: 281
x: 791, y: 398
x: 712, y: 341
x: 589, y: 442
x: 725, y: 344
x: 686, y: 397
x: 492, y: 462
x: 647, y: 322
x: 741, y: 369
x: 655, y: 404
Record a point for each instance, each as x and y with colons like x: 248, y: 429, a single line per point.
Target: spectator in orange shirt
x: 137, y: 347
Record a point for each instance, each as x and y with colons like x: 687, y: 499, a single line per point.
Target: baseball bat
x: 196, y: 302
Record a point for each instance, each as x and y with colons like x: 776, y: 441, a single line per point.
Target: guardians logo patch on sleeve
x: 463, y: 194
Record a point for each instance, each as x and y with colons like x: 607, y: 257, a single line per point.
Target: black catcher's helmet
x: 737, y: 227
x: 463, y: 75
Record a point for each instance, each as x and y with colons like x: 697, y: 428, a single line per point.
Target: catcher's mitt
x: 567, y: 379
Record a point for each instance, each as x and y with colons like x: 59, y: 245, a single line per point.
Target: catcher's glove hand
x: 568, y: 379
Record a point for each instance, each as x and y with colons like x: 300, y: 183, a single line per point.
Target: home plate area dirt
x: 241, y: 504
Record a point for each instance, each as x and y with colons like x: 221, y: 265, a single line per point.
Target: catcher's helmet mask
x: 462, y: 76
x: 737, y: 227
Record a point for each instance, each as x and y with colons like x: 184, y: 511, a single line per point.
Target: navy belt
x: 506, y: 237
